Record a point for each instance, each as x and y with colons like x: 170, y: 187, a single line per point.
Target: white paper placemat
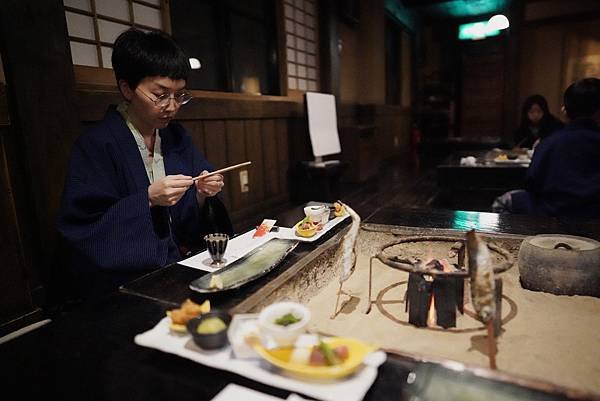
x: 236, y: 248
x: 235, y: 392
x: 352, y: 388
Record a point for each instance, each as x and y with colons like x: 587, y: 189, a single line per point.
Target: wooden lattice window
x: 301, y: 43
x: 93, y: 25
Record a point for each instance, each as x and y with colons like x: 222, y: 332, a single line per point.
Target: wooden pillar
x: 44, y: 119
x: 330, y: 57
x: 511, y: 89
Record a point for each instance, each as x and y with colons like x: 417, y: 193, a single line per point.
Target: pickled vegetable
x: 287, y: 319
x: 211, y: 325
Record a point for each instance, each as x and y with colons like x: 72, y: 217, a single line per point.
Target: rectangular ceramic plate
x: 255, y: 264
x: 290, y: 233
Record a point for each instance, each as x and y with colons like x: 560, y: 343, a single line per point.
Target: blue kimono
x: 564, y: 176
x: 105, y: 215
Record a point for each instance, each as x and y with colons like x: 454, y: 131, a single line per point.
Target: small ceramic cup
x: 317, y: 213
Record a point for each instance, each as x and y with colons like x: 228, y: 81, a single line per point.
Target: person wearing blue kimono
x: 130, y: 203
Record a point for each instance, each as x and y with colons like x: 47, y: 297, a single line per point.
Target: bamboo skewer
x: 491, y: 344
x: 222, y: 170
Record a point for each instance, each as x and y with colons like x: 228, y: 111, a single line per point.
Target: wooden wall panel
x: 283, y: 152
x: 15, y: 298
x: 236, y: 153
x: 299, y: 140
x: 216, y: 151
x: 270, y: 157
x: 4, y: 117
x: 254, y: 152
x: 196, y: 129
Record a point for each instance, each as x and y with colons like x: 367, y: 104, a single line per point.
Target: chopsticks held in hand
x: 222, y: 170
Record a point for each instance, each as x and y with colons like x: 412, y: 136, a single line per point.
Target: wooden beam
x: 43, y: 110
x: 328, y: 42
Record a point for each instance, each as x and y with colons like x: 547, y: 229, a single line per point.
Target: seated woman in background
x: 536, y: 122
x: 564, y: 176
x: 129, y: 202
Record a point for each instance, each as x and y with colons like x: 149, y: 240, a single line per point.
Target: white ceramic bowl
x: 318, y: 213
x: 283, y: 335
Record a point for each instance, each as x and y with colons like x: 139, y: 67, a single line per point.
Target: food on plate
x: 318, y: 358
x: 287, y: 319
x: 320, y: 355
x: 192, y: 308
x: 340, y: 210
x: 307, y: 228
x: 211, y: 325
x: 501, y: 157
x: 209, y: 331
x: 216, y: 282
x: 188, y: 310
x: 301, y: 355
x: 264, y: 228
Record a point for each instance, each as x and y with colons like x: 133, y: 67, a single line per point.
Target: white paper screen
x: 322, y: 124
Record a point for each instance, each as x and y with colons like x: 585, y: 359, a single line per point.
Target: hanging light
x: 195, y: 63
x: 498, y: 21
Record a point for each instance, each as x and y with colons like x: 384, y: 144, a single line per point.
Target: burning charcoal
x: 459, y: 286
x: 418, y: 297
x: 435, y: 264
x: 444, y: 291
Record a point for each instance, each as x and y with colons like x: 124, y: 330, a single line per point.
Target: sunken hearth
x: 438, y: 289
x: 553, y: 330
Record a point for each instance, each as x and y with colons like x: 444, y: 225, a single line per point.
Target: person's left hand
x: 209, y: 186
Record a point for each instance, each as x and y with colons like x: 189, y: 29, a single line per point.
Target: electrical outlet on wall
x: 244, y: 181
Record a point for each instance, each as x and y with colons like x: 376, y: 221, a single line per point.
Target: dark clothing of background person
x: 105, y: 214
x: 564, y: 176
x: 525, y: 136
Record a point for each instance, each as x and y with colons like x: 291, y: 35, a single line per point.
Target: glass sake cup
x: 216, y: 244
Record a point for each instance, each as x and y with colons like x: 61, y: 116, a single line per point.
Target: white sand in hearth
x: 547, y: 337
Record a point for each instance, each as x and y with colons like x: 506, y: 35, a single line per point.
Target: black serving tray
x: 255, y: 264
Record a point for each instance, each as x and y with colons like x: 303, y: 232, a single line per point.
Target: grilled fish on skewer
x: 346, y: 253
x: 481, y: 273
x: 345, y: 256
x: 483, y: 288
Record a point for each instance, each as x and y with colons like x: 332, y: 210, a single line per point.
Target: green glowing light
x: 463, y: 220
x: 476, y: 30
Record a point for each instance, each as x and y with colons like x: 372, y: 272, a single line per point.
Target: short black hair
x: 582, y: 98
x: 137, y: 55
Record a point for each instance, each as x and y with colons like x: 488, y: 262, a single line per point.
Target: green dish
x: 252, y: 266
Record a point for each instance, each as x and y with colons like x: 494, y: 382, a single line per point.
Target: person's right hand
x: 168, y: 190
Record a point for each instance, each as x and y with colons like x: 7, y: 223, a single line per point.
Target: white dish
x: 290, y: 233
x: 241, y: 326
x: 239, y: 246
x: 514, y: 161
x: 283, y: 335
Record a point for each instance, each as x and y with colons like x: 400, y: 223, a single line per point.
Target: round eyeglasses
x: 164, y: 100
